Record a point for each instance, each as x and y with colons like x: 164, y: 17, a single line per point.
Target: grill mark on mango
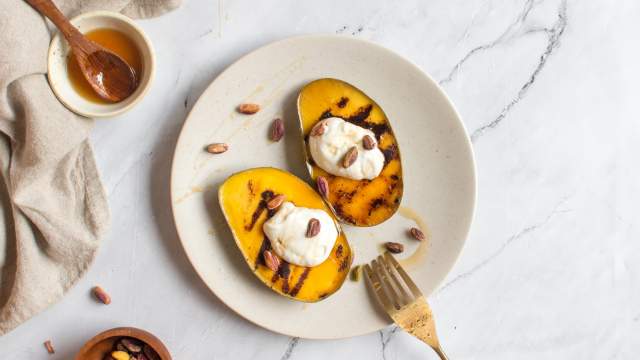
x: 390, y: 153
x: 284, y: 270
x: 283, y: 273
x: 339, y: 251
x: 325, y: 115
x: 342, y: 215
x: 376, y: 203
x: 343, y: 198
x: 252, y: 190
x: 266, y: 245
x: 300, y: 282
x: 359, y: 119
x: 348, y: 196
x: 344, y: 265
x: 266, y: 196
x: 361, y: 115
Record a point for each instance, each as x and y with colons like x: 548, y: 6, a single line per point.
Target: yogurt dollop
x: 287, y: 230
x: 329, y: 149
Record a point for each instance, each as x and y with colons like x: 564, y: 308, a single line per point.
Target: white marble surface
x: 546, y: 89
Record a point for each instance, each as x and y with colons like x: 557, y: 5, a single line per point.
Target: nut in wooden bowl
x: 125, y: 340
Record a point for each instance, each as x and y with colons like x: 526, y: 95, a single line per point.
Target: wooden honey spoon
x: 107, y: 73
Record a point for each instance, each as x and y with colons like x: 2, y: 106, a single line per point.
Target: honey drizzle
x: 420, y: 253
x: 113, y: 40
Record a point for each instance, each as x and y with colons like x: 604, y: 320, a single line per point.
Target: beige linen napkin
x: 53, y: 208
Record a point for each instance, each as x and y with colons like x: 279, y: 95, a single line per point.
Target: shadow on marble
x: 160, y: 199
x: 161, y: 205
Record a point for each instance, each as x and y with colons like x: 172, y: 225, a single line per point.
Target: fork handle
x: 440, y: 353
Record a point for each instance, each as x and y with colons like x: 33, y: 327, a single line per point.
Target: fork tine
x: 376, y: 286
x: 412, y: 286
x: 394, y: 279
x: 378, y: 268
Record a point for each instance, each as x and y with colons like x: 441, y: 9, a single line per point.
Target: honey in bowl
x: 113, y: 40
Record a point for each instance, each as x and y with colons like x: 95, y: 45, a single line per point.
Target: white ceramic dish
x: 57, y: 64
x: 439, y: 175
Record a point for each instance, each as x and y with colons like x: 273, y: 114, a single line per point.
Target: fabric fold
x: 54, y: 209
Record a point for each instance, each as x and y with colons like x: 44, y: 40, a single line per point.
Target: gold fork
x: 410, y: 311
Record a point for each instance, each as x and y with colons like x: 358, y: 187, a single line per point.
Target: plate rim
x: 379, y: 47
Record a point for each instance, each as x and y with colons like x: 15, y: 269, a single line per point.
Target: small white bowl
x: 57, y: 64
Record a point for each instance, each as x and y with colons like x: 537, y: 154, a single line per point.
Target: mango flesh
x: 357, y: 202
x: 243, y: 197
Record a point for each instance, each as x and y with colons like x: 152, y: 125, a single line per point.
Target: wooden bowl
x: 101, y: 344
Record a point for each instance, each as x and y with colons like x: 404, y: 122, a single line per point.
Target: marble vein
x: 204, y: 33
x: 385, y: 341
x: 505, y: 35
x: 345, y: 28
x: 553, y: 42
x: 187, y: 97
x: 292, y: 345
x: 519, y: 235
x: 342, y: 29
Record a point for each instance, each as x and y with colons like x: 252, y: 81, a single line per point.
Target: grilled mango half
x: 356, y: 202
x: 243, y: 198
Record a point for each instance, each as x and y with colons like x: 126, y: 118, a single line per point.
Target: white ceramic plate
x: 439, y: 175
